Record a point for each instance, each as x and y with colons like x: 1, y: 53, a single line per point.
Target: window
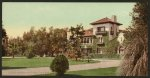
x: 112, y: 28
x: 84, y: 40
x: 102, y: 29
x: 87, y: 40
x: 100, y: 39
x: 91, y: 40
x: 99, y: 29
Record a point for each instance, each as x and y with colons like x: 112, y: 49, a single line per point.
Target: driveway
x: 46, y: 70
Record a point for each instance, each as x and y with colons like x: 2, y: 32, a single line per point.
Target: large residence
x: 101, y: 29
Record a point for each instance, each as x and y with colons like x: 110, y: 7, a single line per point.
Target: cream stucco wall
x: 107, y: 28
x: 121, y: 38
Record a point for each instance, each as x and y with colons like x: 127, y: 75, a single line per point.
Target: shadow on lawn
x: 5, y: 68
x: 64, y: 76
x: 67, y: 76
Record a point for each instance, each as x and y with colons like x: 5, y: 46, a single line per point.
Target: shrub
x: 59, y: 65
x: 30, y: 55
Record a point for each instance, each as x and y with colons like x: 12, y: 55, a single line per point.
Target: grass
x: 92, y: 72
x: 104, y: 56
x: 8, y: 63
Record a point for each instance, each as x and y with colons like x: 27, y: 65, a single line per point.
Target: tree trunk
x: 76, y: 59
x: 88, y: 59
x: 52, y: 54
x: 13, y: 55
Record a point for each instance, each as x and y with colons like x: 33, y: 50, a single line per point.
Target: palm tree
x: 135, y: 60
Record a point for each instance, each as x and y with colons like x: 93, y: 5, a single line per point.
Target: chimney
x: 114, y: 18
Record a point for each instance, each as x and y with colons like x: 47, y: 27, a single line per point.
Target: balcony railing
x: 104, y: 33
x: 101, y: 44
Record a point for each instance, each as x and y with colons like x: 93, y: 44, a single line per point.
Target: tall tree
x: 59, y: 40
x: 29, y: 40
x: 13, y: 47
x: 135, y: 60
x: 21, y: 46
x: 3, y: 33
x: 75, y: 38
x: 41, y: 42
x: 46, y: 43
x: 4, y: 41
x: 50, y: 50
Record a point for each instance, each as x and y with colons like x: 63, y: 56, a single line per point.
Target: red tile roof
x: 105, y: 20
x: 88, y: 32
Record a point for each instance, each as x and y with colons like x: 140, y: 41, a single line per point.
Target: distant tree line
x: 43, y: 42
x: 38, y: 43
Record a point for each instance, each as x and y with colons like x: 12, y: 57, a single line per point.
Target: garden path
x: 46, y: 70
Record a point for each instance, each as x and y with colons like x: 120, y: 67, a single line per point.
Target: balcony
x: 101, y: 44
x: 104, y: 33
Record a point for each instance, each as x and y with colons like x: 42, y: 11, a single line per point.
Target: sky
x: 19, y: 17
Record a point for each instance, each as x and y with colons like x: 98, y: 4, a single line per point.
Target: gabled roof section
x: 104, y: 20
x: 88, y: 32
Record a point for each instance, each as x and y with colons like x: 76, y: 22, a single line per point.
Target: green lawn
x: 92, y: 72
x: 34, y: 62
x: 103, y: 56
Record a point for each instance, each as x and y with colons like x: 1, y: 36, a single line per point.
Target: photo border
x: 75, y: 1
